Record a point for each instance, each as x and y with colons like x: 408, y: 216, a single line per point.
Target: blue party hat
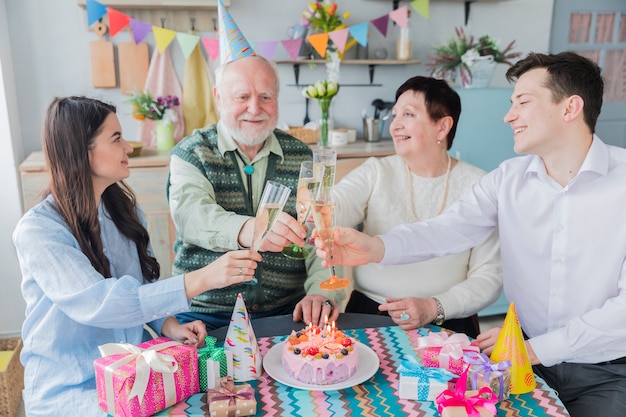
x: 233, y: 45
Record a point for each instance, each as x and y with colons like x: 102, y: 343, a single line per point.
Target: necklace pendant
x: 248, y: 169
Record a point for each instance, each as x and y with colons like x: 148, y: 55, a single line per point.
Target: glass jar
x: 403, y: 45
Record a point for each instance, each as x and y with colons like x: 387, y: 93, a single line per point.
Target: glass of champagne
x: 273, y: 200
x: 324, y: 216
x: 324, y: 212
x: 308, y: 184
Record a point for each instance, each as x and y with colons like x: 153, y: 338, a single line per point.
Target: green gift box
x: 213, y: 364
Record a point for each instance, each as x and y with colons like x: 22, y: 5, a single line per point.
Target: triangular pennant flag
x: 381, y: 24
x: 233, y: 45
x: 510, y: 346
x: 292, y: 46
x: 95, y: 11
x: 359, y: 32
x: 422, y: 7
x: 212, y: 47
x: 187, y: 43
x: 267, y: 49
x: 140, y: 29
x: 339, y: 38
x: 319, y: 41
x: 117, y: 21
x: 240, y: 340
x: 163, y: 37
x: 400, y: 16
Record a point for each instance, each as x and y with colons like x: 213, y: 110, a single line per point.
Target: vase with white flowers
x: 323, y: 91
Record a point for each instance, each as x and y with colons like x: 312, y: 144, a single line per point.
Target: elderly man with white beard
x: 216, y: 178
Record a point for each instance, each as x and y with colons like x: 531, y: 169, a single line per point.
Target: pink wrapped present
x: 439, y: 350
x: 142, y: 380
x: 460, y: 403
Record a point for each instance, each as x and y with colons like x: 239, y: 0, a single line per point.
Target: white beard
x: 248, y: 137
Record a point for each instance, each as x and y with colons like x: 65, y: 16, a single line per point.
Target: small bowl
x: 137, y: 146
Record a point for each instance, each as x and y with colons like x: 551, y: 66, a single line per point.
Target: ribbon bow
x: 485, y: 398
x: 230, y: 392
x: 145, y: 359
x: 486, y: 367
x: 214, y: 353
x: 413, y: 368
x: 452, y: 346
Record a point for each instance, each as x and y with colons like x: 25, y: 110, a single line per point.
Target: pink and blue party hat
x: 233, y: 45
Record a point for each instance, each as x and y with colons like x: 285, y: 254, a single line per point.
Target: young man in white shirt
x: 560, y: 214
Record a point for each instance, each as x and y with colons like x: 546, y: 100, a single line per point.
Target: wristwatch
x: 441, y: 315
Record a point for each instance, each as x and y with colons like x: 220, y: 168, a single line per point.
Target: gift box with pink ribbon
x: 440, y: 350
x: 420, y: 383
x: 483, y: 372
x: 144, y: 379
x: 461, y: 403
x: 230, y: 400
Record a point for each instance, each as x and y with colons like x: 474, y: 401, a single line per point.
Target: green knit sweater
x: 281, y: 280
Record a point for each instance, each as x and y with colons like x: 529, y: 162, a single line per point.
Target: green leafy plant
x: 461, y: 51
x: 145, y: 106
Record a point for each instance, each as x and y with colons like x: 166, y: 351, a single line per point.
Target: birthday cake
x: 319, y: 356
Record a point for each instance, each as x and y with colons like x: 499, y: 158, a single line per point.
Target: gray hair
x: 219, y: 71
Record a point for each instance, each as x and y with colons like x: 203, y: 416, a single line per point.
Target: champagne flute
x: 324, y: 217
x: 308, y: 184
x: 273, y: 200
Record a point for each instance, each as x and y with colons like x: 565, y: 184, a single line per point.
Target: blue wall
x: 482, y: 138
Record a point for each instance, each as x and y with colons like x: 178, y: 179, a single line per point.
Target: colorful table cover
x: 377, y: 396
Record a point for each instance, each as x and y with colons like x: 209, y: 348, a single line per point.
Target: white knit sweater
x: 375, y: 194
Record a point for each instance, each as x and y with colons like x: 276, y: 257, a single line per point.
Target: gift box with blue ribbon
x: 420, y: 383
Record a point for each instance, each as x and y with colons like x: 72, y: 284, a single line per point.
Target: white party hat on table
x: 241, y: 341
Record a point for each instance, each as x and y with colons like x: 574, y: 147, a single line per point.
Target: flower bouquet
x: 145, y: 106
x: 323, y: 91
x: 462, y: 53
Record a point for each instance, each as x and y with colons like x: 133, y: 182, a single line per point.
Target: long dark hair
x: 70, y: 127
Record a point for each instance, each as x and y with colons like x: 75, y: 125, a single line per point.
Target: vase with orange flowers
x: 145, y: 106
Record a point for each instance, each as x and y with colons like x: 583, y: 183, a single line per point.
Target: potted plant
x: 464, y: 57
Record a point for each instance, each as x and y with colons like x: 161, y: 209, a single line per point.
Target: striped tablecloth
x: 377, y: 396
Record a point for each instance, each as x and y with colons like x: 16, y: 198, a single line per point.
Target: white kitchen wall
x: 46, y: 46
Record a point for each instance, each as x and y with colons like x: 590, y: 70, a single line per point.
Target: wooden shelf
x: 179, y: 15
x: 371, y: 63
x: 160, y: 4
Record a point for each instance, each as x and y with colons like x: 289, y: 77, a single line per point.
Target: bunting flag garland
x: 292, y: 46
x: 163, y: 37
x: 187, y: 42
x: 381, y: 24
x: 237, y: 45
x: 422, y: 7
x: 400, y: 16
x: 117, y: 21
x: 267, y: 49
x: 339, y: 38
x: 95, y: 11
x: 359, y: 32
x: 139, y: 29
x: 319, y: 41
x: 212, y: 47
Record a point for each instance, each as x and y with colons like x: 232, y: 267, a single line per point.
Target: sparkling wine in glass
x: 308, y: 184
x: 324, y: 217
x: 273, y: 200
